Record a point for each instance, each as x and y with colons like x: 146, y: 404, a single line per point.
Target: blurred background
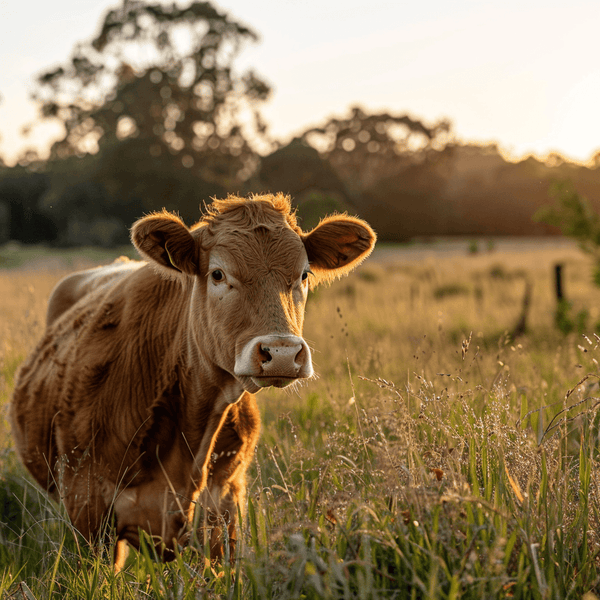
x: 427, y: 119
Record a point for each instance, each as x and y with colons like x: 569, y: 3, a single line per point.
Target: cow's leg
x: 81, y: 492
x: 225, y: 492
x: 225, y: 516
x: 121, y: 554
x: 226, y: 468
x: 157, y: 508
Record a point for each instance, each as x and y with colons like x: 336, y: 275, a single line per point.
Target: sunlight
x: 576, y: 123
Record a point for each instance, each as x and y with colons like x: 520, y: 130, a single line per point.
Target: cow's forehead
x: 256, y: 252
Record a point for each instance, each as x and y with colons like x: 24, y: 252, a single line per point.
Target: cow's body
x: 139, y: 398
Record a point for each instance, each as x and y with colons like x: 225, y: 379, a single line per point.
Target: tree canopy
x: 366, y: 147
x: 162, y: 74
x: 156, y: 115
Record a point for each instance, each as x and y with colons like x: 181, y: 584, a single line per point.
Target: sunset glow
x: 520, y: 74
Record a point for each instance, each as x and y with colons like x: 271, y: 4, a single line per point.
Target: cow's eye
x: 306, y: 274
x: 217, y: 275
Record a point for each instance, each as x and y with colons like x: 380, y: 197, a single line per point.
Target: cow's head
x: 248, y: 267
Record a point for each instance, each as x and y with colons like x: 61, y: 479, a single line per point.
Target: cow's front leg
x: 121, y: 554
x: 222, y: 516
x: 159, y: 507
x: 222, y: 487
x: 83, y: 493
x: 225, y: 490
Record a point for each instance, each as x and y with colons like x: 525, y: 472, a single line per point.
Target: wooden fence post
x: 558, y: 282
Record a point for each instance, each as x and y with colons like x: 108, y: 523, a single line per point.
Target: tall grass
x: 435, y: 457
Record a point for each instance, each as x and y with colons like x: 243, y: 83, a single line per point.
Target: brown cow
x: 139, y: 400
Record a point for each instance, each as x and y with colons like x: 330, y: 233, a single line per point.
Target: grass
x: 435, y: 456
x: 15, y: 255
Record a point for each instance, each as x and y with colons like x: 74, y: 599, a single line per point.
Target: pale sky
x: 522, y: 73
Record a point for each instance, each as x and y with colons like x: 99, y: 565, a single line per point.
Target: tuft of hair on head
x: 257, y: 209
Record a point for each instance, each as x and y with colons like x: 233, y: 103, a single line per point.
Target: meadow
x: 448, y: 448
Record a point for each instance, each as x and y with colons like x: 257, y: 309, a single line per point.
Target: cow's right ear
x: 164, y: 241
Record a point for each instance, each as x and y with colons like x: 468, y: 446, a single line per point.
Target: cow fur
x: 130, y: 404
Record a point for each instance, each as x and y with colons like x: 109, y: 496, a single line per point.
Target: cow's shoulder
x: 116, y: 343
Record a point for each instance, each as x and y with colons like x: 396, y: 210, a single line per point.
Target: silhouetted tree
x: 162, y: 75
x: 297, y: 168
x: 116, y: 186
x: 154, y: 115
x: 576, y: 218
x: 365, y: 148
x: 20, y: 193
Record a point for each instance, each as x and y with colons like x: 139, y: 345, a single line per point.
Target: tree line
x: 156, y: 115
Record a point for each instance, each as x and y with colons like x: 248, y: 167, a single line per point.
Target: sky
x: 524, y: 74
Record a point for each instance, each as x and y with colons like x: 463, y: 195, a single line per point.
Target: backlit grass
x: 436, y: 456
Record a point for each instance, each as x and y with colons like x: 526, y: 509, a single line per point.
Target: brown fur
x: 129, y: 403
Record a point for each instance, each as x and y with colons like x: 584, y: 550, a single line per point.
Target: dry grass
x: 423, y: 462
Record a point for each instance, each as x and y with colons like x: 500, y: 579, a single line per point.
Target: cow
x: 139, y: 401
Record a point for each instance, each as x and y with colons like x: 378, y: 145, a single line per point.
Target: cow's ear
x: 164, y: 241
x: 337, y: 245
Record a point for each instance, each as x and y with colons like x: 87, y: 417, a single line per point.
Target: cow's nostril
x: 265, y: 354
x: 299, y: 358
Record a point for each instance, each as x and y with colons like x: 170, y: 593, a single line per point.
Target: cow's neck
x: 207, y: 388
x: 206, y: 391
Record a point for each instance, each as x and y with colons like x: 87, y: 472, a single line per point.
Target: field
x: 448, y: 449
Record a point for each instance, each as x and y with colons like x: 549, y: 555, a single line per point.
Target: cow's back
x: 72, y: 288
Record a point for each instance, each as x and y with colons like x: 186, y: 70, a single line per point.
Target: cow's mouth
x: 278, y: 382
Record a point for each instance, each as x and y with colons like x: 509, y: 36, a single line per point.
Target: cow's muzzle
x: 274, y: 360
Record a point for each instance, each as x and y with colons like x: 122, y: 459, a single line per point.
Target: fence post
x: 558, y: 282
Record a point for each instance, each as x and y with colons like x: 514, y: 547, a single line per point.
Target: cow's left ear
x: 164, y: 241
x: 337, y: 245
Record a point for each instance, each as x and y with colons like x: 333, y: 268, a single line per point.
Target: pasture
x: 436, y: 456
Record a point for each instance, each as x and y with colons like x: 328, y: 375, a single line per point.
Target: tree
x: 365, y: 148
x: 576, y: 218
x: 161, y: 78
x: 296, y: 169
x: 20, y: 193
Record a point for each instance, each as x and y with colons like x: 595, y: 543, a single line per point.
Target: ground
x: 436, y: 456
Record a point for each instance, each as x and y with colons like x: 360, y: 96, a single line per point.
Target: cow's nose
x: 279, y: 358
x: 274, y: 360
